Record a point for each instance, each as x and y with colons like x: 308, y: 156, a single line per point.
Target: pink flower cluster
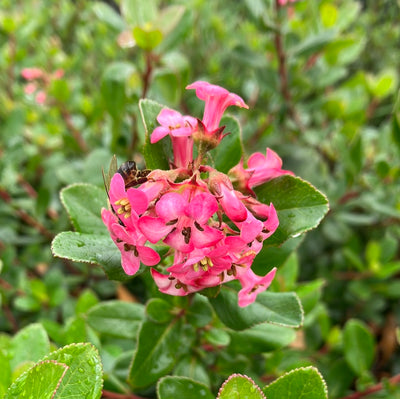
x: 212, y: 230
x: 38, y: 81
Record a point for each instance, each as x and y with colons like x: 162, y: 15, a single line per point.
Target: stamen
x: 198, y: 227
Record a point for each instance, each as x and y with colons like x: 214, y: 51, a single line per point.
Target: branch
x: 375, y: 388
x: 283, y: 74
x: 113, y: 395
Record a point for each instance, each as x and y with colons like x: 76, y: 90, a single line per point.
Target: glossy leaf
x: 278, y: 308
x: 300, y: 206
x: 182, y: 387
x: 90, y: 248
x: 85, y: 214
x: 156, y: 155
x: 116, y: 318
x: 41, y: 381
x: 155, y: 354
x: 84, y: 377
x: 159, y: 310
x: 29, y: 344
x: 230, y: 151
x: 358, y: 346
x: 261, y: 338
x: 304, y: 382
x: 240, y: 386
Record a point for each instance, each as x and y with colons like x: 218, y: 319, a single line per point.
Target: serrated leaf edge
x: 239, y: 375
x: 180, y: 377
x: 294, y: 235
x: 274, y: 322
x: 303, y: 368
x: 79, y: 344
x: 36, y: 365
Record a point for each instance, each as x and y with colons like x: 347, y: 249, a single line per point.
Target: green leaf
x: 192, y: 367
x: 159, y: 310
x: 278, y: 308
x: 83, y: 378
x: 29, y: 344
x: 230, y: 151
x: 383, y: 84
x: 41, y: 381
x: 85, y: 214
x: 240, y: 386
x: 312, y: 44
x: 155, y: 354
x: 359, y: 346
x: 300, y: 206
x: 147, y: 38
x: 261, y: 338
x: 182, y: 387
x: 5, y: 375
x: 107, y: 14
x: 86, y: 300
x: 156, y: 155
x: 304, y: 383
x: 90, y: 248
x: 138, y: 12
x: 116, y: 318
x: 199, y: 314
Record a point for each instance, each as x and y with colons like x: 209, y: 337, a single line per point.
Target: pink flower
x: 260, y: 169
x: 180, y: 129
x: 217, y: 100
x: 32, y: 73
x: 182, y: 220
x: 40, y: 97
x: 222, y: 188
x: 170, y: 285
x: 58, y: 74
x: 30, y: 88
x: 252, y: 285
x: 284, y: 2
x: 128, y: 205
x: 130, y: 243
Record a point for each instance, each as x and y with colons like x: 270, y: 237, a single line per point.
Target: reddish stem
x: 375, y: 388
x: 113, y: 395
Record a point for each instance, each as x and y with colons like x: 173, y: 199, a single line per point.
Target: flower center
x: 205, y: 263
x: 125, y: 207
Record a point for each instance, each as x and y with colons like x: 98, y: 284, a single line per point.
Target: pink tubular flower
x: 180, y: 129
x: 217, y: 100
x: 182, y: 221
x: 260, y: 169
x: 40, y: 97
x: 252, y: 285
x: 130, y: 243
x: 32, y: 73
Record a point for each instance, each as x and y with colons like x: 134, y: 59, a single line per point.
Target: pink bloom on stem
x: 183, y: 221
x: 284, y: 2
x: 260, y: 169
x: 222, y: 188
x: 40, y: 97
x: 180, y: 129
x: 168, y: 284
x: 30, y: 88
x: 217, y: 100
x: 127, y: 204
x: 32, y: 73
x: 130, y: 243
x: 252, y: 285
x: 58, y: 74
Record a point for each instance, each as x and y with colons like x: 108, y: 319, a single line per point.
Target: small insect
x: 129, y: 172
x: 132, y: 175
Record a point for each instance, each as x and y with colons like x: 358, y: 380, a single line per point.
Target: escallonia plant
x: 212, y: 230
x: 201, y: 218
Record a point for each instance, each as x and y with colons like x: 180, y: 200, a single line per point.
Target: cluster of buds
x: 38, y: 82
x: 211, y: 223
